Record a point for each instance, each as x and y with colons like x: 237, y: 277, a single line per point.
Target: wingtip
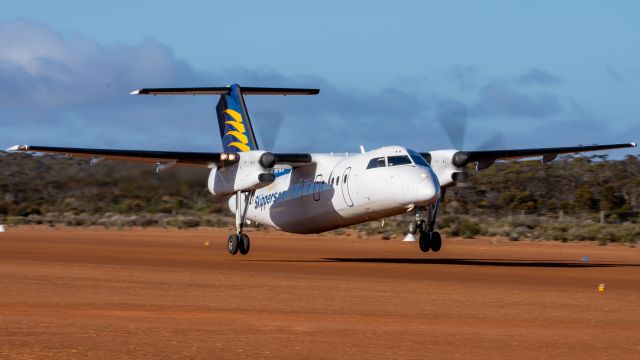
x: 135, y: 92
x: 633, y: 144
x: 18, y: 148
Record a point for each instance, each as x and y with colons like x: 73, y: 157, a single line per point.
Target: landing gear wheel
x: 436, y: 241
x: 232, y: 244
x: 413, y: 228
x: 424, y: 241
x: 244, y: 244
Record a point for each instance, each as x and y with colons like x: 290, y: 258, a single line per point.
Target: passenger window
x: 399, y: 160
x: 345, y: 179
x: 376, y: 163
x: 337, y: 180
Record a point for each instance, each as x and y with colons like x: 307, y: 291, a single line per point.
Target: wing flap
x: 293, y: 159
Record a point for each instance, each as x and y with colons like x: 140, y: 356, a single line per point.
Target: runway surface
x: 163, y: 293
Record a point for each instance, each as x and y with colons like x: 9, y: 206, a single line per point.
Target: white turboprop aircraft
x: 310, y: 192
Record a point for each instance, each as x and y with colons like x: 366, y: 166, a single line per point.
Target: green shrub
x: 465, y: 227
x: 518, y: 233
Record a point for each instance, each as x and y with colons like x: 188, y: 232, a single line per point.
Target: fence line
x: 602, y: 216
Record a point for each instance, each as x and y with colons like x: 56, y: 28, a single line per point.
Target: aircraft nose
x: 426, y: 191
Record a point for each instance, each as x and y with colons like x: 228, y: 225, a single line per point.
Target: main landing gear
x: 239, y: 242
x: 429, y: 238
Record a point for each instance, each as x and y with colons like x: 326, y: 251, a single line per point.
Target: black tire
x: 424, y: 242
x: 436, y: 241
x: 413, y: 228
x: 244, y: 244
x: 232, y: 244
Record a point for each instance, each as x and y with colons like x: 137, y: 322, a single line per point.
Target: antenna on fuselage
x: 362, y: 149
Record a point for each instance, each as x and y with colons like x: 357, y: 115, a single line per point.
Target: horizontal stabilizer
x: 224, y: 91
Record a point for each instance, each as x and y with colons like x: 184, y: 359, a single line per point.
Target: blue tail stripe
x: 233, y: 119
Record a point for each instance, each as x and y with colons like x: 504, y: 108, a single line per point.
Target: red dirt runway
x: 158, y: 293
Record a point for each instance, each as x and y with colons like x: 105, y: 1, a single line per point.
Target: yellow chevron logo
x: 236, y: 125
x: 239, y: 132
x: 240, y: 136
x: 234, y: 115
x: 242, y: 147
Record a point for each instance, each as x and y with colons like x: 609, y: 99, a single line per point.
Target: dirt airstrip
x: 162, y: 293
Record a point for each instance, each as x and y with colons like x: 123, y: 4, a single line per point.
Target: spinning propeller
x: 453, y: 117
x: 269, y: 127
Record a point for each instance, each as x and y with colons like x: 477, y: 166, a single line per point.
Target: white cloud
x: 71, y: 91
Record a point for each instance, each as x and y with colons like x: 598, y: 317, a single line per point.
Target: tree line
x: 57, y: 189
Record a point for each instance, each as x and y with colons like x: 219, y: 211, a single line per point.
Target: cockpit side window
x: 399, y: 160
x: 419, y: 160
x: 376, y: 163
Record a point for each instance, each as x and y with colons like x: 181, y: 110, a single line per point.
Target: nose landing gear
x: 429, y: 238
x: 239, y: 242
x: 416, y: 226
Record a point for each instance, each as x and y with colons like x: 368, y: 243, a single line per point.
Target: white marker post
x: 409, y: 237
x: 2, y: 229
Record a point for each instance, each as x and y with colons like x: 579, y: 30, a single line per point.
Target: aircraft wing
x: 492, y: 155
x: 205, y: 159
x: 487, y: 157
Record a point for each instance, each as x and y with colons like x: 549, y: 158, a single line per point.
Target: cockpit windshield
x: 396, y: 160
x: 399, y: 160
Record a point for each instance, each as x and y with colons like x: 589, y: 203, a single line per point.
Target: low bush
x: 464, y: 227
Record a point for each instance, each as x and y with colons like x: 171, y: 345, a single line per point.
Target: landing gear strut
x: 239, y: 242
x: 419, y: 224
x: 429, y: 238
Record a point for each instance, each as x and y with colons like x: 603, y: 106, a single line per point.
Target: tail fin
x: 233, y: 119
x: 235, y: 127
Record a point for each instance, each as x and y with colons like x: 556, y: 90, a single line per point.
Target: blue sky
x: 522, y: 73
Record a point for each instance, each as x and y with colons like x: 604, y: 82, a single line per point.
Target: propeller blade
x: 453, y: 116
x: 269, y: 127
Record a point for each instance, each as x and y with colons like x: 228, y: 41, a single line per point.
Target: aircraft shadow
x: 483, y: 262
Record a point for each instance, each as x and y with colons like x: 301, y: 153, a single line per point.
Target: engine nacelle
x: 252, y: 171
x: 449, y: 165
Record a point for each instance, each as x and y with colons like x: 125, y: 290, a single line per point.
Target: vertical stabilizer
x: 235, y: 127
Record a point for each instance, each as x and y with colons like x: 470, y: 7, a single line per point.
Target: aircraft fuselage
x: 338, y: 191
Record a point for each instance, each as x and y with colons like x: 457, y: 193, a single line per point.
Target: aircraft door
x: 345, y: 187
x: 317, y: 187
